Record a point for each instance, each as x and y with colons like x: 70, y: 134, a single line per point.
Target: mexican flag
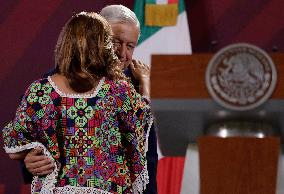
x: 164, y: 28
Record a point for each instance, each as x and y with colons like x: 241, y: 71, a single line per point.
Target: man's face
x: 125, y: 38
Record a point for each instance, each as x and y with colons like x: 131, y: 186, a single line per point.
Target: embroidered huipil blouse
x: 98, y: 141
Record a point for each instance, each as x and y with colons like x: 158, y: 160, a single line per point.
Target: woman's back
x: 98, y: 138
x: 96, y: 135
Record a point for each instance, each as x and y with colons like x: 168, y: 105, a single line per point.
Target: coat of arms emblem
x: 241, y: 76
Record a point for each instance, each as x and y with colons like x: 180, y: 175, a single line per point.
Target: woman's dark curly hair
x: 84, y: 52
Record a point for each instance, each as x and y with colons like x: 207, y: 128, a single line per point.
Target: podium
x: 182, y: 103
x: 238, y: 165
x: 183, y: 76
x: 184, y: 109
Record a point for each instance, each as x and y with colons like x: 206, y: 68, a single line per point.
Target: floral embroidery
x: 99, y: 140
x: 39, y: 93
x: 81, y: 112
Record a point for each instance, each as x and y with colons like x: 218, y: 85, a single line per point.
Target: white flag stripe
x: 191, y: 171
x: 159, y: 152
x: 162, y: 1
x: 168, y: 40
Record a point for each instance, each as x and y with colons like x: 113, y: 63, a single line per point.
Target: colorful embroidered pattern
x: 99, y: 141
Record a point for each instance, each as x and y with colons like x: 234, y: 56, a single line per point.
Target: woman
x: 86, y: 117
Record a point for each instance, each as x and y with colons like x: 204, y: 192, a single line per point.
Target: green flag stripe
x: 150, y: 1
x: 147, y: 31
x: 181, y: 6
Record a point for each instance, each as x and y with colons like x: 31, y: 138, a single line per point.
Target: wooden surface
x: 183, y: 76
x: 238, y: 165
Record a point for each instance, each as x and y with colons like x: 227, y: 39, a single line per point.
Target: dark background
x: 29, y: 31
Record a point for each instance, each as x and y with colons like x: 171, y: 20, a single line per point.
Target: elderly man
x: 126, y: 31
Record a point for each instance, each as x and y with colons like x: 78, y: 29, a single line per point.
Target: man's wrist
x: 144, y: 89
x: 144, y: 80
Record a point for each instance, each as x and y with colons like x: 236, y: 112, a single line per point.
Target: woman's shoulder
x: 119, y: 86
x: 43, y: 80
x: 38, y: 82
x: 41, y: 84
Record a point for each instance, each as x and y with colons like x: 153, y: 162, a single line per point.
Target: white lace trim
x: 148, y: 99
x: 69, y: 95
x: 48, y: 184
x: 140, y: 183
x: 79, y: 190
x: 148, y: 133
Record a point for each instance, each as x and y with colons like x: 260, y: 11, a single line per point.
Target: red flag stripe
x: 172, y: 1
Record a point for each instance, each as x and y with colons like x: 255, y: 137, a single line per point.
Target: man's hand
x: 37, y: 163
x: 141, y: 72
x: 19, y: 155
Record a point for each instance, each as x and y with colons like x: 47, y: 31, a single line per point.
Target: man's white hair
x: 119, y: 14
